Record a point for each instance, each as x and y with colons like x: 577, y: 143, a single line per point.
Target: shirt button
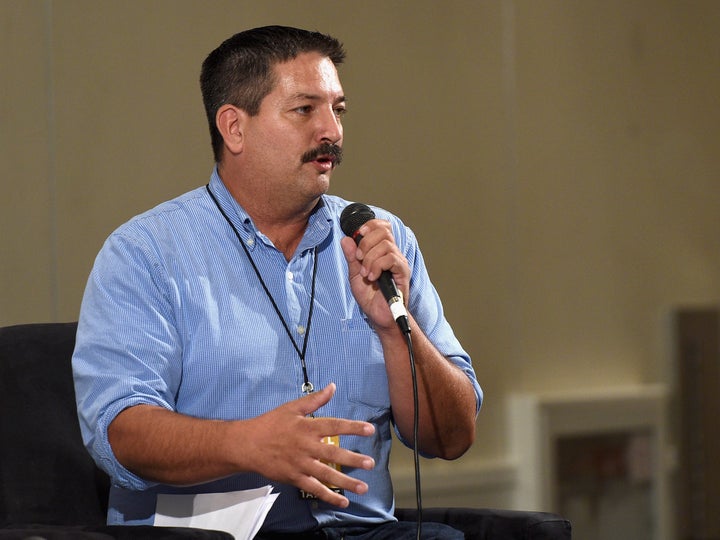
x: 251, y: 242
x: 301, y: 329
x: 289, y: 276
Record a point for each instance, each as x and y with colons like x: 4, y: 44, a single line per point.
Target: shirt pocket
x: 367, y: 378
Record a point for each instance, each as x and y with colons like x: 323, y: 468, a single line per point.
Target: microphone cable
x: 416, y: 425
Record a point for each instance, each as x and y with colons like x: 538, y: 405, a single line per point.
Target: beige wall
x: 557, y: 159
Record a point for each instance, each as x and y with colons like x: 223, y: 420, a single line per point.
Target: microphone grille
x: 353, y: 216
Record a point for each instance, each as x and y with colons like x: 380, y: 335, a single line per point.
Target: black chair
x: 50, y: 488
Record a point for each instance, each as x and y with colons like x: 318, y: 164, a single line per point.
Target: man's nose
x: 330, y: 127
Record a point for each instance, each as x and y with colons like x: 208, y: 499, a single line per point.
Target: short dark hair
x: 240, y: 70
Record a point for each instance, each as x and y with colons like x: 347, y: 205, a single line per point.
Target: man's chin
x: 324, y: 183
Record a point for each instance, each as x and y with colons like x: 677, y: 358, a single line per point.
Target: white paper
x: 241, y: 513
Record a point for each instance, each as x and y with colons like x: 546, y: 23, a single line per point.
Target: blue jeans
x: 401, y: 530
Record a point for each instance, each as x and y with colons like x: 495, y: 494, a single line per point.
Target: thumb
x: 349, y: 249
x: 312, y: 402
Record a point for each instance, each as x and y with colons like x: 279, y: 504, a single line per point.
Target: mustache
x: 334, y: 151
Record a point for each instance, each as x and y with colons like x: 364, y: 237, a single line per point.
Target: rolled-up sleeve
x: 127, y: 349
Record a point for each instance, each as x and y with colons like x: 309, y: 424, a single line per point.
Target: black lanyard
x: 307, y: 386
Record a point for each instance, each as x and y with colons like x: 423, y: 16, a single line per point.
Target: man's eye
x: 305, y: 109
x: 340, y: 111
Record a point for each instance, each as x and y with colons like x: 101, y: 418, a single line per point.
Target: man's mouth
x: 325, y: 154
x: 325, y: 160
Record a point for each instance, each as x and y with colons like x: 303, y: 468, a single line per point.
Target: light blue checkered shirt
x: 174, y: 315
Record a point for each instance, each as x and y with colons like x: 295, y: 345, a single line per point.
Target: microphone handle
x: 395, y: 301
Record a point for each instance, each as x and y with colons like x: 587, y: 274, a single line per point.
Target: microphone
x: 352, y: 218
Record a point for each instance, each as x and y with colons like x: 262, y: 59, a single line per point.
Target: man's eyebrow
x: 316, y: 97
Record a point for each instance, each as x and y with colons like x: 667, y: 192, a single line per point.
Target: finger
x: 378, y: 250
x: 321, y: 475
x: 373, y: 232
x: 346, y: 458
x: 328, y: 427
x: 344, y: 482
x: 381, y: 260
x: 312, y: 485
x: 329, y: 476
x: 369, y: 234
x: 312, y: 402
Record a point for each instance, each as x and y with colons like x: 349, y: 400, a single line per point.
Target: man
x: 225, y: 335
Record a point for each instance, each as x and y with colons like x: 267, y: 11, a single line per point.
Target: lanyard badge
x: 335, y: 441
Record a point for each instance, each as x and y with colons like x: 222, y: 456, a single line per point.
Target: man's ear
x: 230, y: 121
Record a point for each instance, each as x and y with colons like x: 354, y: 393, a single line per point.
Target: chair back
x: 46, y: 474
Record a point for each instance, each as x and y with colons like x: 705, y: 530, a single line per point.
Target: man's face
x: 301, y: 115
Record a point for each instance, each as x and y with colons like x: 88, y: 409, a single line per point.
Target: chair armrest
x: 109, y: 532
x: 492, y: 524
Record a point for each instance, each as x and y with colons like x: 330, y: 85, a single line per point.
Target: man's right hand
x: 284, y: 445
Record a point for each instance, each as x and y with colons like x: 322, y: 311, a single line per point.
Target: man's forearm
x: 446, y: 397
x: 167, y: 447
